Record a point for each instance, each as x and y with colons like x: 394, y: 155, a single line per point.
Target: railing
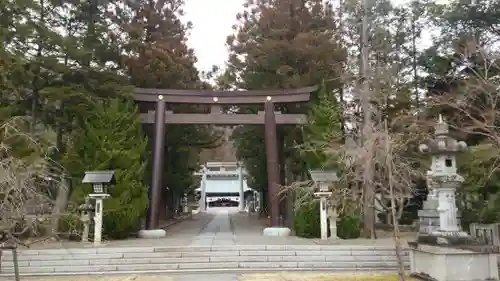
x: 487, y: 233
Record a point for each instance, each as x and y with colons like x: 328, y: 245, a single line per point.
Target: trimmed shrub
x: 349, y: 227
x: 307, y: 220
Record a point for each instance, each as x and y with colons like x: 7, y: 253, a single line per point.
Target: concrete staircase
x: 108, y: 260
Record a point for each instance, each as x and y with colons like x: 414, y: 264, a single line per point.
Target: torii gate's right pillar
x: 273, y: 171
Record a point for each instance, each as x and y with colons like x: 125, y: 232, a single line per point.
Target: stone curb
x: 176, y: 221
x: 306, y: 249
x: 210, y: 270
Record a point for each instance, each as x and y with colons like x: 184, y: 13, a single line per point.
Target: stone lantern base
x: 152, y: 233
x: 276, y: 231
x: 453, y: 263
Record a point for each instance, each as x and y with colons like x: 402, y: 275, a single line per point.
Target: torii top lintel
x: 225, y: 97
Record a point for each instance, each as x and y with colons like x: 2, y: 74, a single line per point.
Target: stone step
x: 239, y: 250
x: 70, y: 269
x: 166, y: 259
x: 207, y: 259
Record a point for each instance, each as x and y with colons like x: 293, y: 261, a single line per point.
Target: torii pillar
x: 273, y: 172
x: 153, y: 220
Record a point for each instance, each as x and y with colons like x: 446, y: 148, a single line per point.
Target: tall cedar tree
x: 159, y: 58
x: 280, y: 44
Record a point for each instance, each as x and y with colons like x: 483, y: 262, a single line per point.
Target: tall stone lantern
x: 442, y: 251
x: 443, y: 181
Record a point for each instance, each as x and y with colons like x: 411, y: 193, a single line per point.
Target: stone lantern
x: 100, y: 181
x: 323, y: 181
x: 442, y: 251
x: 86, y: 212
x: 442, y: 181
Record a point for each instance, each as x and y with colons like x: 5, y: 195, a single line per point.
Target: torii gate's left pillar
x: 153, y: 220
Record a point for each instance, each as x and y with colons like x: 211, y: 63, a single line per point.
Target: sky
x: 212, y: 23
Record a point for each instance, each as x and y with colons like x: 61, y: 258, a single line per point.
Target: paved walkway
x: 218, y: 231
x: 217, y: 226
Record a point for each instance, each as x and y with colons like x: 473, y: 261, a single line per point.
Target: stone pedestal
x: 429, y: 216
x: 276, y: 231
x: 152, y: 233
x: 452, y: 264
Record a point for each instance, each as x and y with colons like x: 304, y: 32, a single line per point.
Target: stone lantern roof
x: 442, y: 143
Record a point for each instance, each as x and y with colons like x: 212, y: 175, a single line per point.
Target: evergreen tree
x: 281, y: 44
x: 159, y: 58
x: 112, y: 139
x: 324, y: 131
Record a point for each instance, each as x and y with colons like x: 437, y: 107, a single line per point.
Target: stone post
x: 242, y: 191
x: 185, y: 204
x: 323, y: 217
x: 98, y: 221
x: 203, y: 197
x: 99, y: 198
x: 333, y: 216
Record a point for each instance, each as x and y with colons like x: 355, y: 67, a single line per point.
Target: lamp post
x: 323, y: 180
x: 100, y: 181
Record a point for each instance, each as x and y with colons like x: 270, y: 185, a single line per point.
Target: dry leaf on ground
x: 103, y: 278
x: 302, y: 276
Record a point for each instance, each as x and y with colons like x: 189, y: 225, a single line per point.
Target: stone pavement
x: 218, y: 231
x: 217, y: 226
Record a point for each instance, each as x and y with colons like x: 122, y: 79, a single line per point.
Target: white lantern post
x: 323, y: 181
x: 100, y: 181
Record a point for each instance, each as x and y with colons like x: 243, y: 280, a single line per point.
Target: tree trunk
x: 163, y: 204
x: 170, y: 204
x: 290, y: 196
x: 396, y: 236
x: 60, y: 204
x: 368, y: 173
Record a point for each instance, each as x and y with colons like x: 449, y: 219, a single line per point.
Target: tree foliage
x: 63, y: 62
x: 112, y: 139
x: 324, y: 131
x: 280, y: 44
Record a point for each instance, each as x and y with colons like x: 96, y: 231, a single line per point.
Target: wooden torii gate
x: 160, y: 115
